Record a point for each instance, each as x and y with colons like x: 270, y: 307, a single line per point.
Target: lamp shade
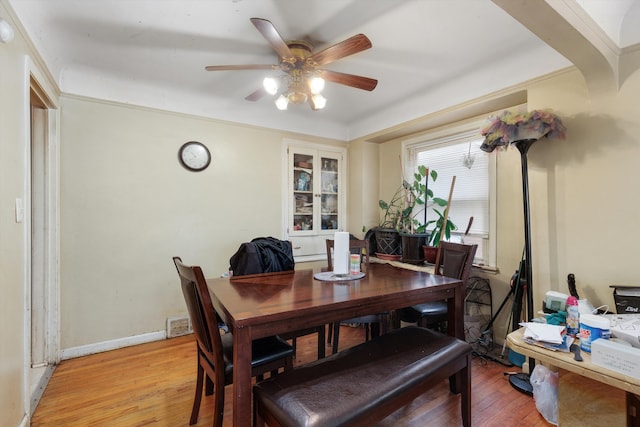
x: 316, y: 85
x: 270, y: 85
x: 282, y: 102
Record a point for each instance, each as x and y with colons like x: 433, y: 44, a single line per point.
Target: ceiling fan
x: 303, y: 79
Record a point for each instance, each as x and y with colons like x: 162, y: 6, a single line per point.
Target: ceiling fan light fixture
x: 319, y: 102
x: 270, y: 85
x: 302, y: 80
x: 282, y: 102
x: 316, y: 84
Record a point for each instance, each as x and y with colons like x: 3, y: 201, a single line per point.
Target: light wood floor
x: 153, y: 384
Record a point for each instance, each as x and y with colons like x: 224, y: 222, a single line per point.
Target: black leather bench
x: 365, y: 383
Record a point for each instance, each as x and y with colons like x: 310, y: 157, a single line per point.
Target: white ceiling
x: 427, y: 54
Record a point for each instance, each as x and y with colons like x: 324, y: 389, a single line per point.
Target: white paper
x: 341, y: 253
x: 543, y: 332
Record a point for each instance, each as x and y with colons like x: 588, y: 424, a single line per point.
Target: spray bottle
x: 573, y: 316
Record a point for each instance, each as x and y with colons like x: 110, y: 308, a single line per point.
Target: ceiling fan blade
x: 270, y: 33
x: 359, y: 82
x: 350, y: 46
x: 241, y: 67
x: 256, y: 95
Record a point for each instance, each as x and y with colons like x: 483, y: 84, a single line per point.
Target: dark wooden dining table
x: 260, y: 305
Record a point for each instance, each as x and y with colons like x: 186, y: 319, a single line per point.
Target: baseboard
x: 85, y: 350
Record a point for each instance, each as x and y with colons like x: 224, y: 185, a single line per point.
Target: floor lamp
x: 522, y: 381
x: 522, y: 130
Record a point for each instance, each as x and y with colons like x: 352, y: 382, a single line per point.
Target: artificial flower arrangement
x: 508, y: 127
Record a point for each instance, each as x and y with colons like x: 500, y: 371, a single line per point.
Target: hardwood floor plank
x: 153, y: 385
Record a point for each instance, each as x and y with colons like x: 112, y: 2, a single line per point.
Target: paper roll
x: 341, y: 253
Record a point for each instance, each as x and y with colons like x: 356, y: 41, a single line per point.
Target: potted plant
x: 414, y: 232
x: 400, y: 231
x: 386, y: 233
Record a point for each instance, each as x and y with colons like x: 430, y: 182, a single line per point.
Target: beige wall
x: 363, y: 175
x: 12, y: 158
x: 15, y: 66
x: 582, y: 194
x: 128, y: 207
x: 588, y: 226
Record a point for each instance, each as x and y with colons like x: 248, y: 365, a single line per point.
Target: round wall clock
x: 194, y: 156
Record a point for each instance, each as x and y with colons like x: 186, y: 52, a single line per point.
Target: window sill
x: 487, y: 268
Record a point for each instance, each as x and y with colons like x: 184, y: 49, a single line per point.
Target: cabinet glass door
x: 329, y: 193
x: 303, y: 192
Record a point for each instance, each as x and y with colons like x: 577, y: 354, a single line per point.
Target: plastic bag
x: 545, y: 392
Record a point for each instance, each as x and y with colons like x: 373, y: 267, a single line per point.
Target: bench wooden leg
x: 460, y: 383
x: 465, y: 389
x: 258, y: 421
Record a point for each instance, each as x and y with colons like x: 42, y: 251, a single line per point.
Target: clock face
x: 194, y: 156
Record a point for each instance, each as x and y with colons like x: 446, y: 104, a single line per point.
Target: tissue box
x: 616, y: 357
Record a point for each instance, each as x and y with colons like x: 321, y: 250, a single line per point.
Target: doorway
x: 42, y: 305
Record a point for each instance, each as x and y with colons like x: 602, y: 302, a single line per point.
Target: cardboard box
x: 627, y: 299
x: 617, y: 357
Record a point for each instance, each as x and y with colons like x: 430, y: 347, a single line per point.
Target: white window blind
x: 458, y: 155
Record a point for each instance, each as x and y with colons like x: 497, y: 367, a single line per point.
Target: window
x: 458, y: 154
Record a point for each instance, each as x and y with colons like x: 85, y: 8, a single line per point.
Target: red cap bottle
x: 573, y: 316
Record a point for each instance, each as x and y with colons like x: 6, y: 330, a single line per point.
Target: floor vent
x: 177, y: 326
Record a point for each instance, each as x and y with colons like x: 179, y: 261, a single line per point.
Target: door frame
x: 41, y: 95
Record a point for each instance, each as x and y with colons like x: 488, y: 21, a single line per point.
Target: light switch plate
x: 19, y: 210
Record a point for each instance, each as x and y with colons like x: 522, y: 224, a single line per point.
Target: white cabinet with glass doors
x: 316, y: 197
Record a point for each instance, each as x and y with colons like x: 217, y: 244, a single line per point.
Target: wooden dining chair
x: 276, y: 254
x: 215, y: 350
x: 373, y: 322
x: 453, y: 260
x: 356, y: 246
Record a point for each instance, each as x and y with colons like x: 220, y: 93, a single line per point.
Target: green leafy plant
x: 436, y: 234
x: 418, y: 195
x: 392, y: 210
x: 403, y: 211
